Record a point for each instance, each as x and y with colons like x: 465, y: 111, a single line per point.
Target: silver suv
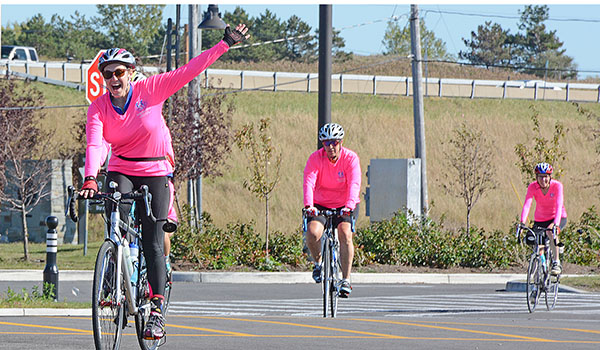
x: 19, y: 53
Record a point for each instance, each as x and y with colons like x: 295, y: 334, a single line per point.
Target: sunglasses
x: 328, y: 143
x: 117, y: 73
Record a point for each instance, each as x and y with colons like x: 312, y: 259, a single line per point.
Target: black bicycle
x: 539, y: 278
x: 120, y: 286
x: 330, y: 261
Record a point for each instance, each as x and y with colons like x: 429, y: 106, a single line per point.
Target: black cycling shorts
x: 336, y: 220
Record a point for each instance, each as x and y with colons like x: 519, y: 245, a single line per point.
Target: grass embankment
x: 586, y: 283
x: 382, y: 127
x: 69, y: 256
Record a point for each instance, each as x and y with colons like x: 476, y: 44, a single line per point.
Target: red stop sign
x: 94, y: 84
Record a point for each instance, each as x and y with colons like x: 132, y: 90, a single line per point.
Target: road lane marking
x: 46, y: 327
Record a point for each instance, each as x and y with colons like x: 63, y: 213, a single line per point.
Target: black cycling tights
x: 152, y: 232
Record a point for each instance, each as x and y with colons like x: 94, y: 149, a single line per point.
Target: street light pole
x: 325, y: 38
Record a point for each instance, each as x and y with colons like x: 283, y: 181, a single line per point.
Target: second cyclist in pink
x: 332, y: 178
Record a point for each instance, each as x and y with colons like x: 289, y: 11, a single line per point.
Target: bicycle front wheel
x: 533, y: 279
x: 326, y: 263
x: 335, y: 280
x: 108, y: 309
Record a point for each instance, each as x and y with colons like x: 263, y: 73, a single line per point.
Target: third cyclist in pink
x: 332, y: 179
x: 549, y: 207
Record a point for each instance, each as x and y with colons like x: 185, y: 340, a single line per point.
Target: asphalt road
x: 377, y: 316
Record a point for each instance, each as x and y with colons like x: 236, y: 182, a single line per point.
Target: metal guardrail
x: 53, y: 72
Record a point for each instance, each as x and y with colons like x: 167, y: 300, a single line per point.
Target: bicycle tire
x: 143, y: 302
x: 108, y: 311
x: 551, y: 288
x: 335, y: 279
x: 326, y: 282
x: 533, y: 283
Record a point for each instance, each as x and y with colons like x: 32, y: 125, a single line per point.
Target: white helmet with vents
x: 331, y: 131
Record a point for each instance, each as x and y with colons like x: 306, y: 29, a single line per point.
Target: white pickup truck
x: 14, y: 53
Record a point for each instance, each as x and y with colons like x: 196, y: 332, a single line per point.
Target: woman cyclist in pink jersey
x: 129, y: 118
x: 549, y: 208
x: 332, y: 178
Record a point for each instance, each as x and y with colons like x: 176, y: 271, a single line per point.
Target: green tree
x: 24, y: 182
x: 77, y: 37
x: 303, y: 49
x: 540, y: 149
x: 469, y: 164
x: 489, y: 46
x: 36, y: 32
x: 130, y: 26
x: 397, y: 41
x: 536, y: 45
x: 264, y: 175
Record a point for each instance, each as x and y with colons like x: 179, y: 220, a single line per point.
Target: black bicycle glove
x: 233, y: 37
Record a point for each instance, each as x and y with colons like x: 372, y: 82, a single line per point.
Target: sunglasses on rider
x: 117, y: 73
x: 328, y: 143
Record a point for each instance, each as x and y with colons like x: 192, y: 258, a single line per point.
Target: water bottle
x: 544, y: 265
x: 133, y: 256
x: 127, y: 256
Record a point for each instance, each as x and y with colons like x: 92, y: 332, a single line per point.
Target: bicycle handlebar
x: 115, y: 197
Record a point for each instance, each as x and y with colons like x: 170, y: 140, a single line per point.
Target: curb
x: 518, y: 286
x: 281, y: 277
x: 45, y: 312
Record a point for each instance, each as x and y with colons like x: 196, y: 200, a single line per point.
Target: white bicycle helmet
x: 137, y: 76
x: 116, y: 55
x: 331, y: 131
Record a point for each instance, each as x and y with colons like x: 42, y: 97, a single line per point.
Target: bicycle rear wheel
x: 326, y: 263
x: 335, y: 280
x: 144, y: 309
x: 533, y: 279
x: 108, y: 309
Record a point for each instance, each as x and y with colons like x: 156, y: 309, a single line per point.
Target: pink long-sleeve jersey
x: 332, y: 185
x: 141, y: 132
x: 547, y: 206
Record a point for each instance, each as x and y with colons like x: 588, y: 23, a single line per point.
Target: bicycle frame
x: 115, y: 236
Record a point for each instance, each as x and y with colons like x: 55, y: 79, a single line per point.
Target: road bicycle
x: 539, y: 278
x: 120, y: 288
x: 331, y: 268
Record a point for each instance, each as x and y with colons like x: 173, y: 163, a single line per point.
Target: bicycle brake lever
x: 145, y: 193
x: 71, y: 204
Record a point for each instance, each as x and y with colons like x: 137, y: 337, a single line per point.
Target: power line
x: 28, y: 108
x: 510, y: 16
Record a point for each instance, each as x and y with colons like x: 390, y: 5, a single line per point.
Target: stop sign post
x: 94, y: 84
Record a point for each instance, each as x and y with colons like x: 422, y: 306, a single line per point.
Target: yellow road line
x: 211, y: 330
x: 454, y: 329
x: 46, y: 327
x: 308, y: 326
x: 515, y: 326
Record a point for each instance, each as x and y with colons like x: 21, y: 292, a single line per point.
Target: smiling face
x: 118, y: 82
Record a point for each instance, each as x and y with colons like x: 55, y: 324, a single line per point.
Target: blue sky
x: 363, y: 26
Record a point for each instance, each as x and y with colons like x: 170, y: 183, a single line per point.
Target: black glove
x: 233, y: 37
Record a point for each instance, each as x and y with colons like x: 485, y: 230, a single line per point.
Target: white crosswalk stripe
x: 399, y: 306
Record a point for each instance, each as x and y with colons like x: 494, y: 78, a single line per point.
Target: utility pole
x: 417, y: 76
x: 194, y: 92
x: 325, y: 38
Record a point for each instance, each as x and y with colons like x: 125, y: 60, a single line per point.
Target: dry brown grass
x: 382, y: 127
